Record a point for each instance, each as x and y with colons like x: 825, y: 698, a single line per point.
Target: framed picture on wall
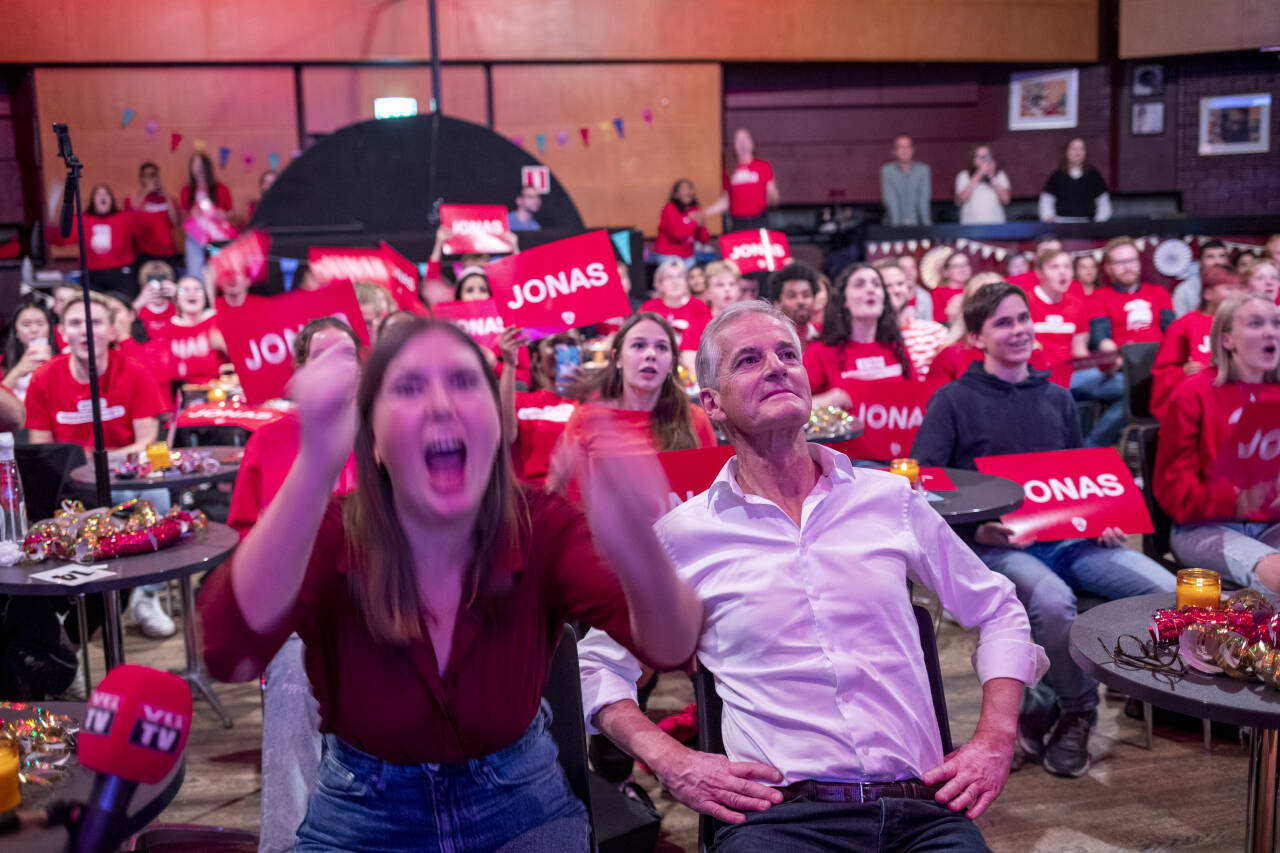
x: 1147, y: 119
x: 1148, y: 80
x: 1041, y: 100
x: 1235, y: 124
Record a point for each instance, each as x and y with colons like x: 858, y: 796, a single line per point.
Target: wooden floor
x: 1175, y: 797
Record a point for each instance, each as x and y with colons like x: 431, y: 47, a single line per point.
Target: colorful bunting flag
x: 648, y: 116
x: 224, y: 154
x: 152, y: 127
x: 273, y: 159
x: 622, y: 242
x: 518, y: 140
x: 586, y: 136
x: 248, y: 159
x: 126, y: 118
x: 617, y: 124
x: 175, y: 139
x: 563, y: 138
x: 542, y: 142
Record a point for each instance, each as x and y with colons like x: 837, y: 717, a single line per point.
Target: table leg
x: 193, y: 674
x: 82, y: 621
x: 112, y: 629
x: 1261, y: 831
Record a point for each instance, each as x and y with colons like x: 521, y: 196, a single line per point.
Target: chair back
x: 563, y: 692
x: 1155, y: 545
x: 46, y: 475
x: 1139, y: 363
x: 711, y: 710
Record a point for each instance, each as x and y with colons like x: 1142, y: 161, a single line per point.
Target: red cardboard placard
x: 891, y: 413
x: 1071, y: 494
x: 260, y: 343
x: 693, y: 471
x: 246, y: 256
x: 214, y: 414
x: 476, y: 228
x: 758, y: 250
x: 479, y: 319
x: 1252, y: 453
x: 383, y: 266
x: 559, y: 286
x: 402, y: 278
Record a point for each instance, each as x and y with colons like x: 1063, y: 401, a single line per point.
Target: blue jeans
x: 1047, y: 576
x: 1230, y: 548
x: 889, y: 824
x: 1092, y: 384
x: 516, y: 799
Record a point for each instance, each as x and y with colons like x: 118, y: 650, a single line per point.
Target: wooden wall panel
x: 245, y: 109
x: 618, y: 181
x: 46, y: 31
x: 335, y: 96
x: 1172, y: 27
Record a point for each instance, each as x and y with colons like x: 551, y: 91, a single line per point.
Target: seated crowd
x: 430, y: 511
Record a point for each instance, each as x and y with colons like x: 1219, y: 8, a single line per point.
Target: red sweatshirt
x: 109, y: 241
x: 1187, y: 340
x: 677, y: 232
x: 1197, y: 423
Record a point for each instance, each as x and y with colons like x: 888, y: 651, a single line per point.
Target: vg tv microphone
x: 133, y: 731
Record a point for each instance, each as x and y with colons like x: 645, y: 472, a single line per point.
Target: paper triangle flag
x: 175, y: 139
x: 617, y: 124
x: 518, y: 140
x: 288, y: 266
x: 274, y: 160
x: 248, y: 158
x: 562, y: 137
x: 622, y: 242
x: 541, y: 139
x: 126, y: 118
x: 224, y: 154
x: 586, y: 136
x: 648, y: 116
x: 152, y: 127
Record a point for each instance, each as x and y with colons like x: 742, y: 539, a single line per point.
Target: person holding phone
x: 982, y: 190
x: 28, y: 344
x: 157, y: 290
x: 157, y: 213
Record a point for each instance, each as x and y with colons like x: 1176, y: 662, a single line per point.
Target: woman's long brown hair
x: 383, y: 576
x: 837, y: 320
x: 671, y: 418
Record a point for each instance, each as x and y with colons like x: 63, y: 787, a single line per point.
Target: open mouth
x: 446, y: 460
x: 649, y: 371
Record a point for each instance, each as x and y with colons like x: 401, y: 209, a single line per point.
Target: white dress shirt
x: 809, y: 630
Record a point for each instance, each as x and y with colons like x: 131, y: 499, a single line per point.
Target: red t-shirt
x: 1056, y: 324
x: 836, y: 366
x: 688, y: 320
x: 955, y: 359
x: 152, y: 357
x: 155, y: 321
x: 109, y: 241
x: 1186, y: 340
x: 541, y: 417
x: 222, y: 200
x: 267, y: 459
x: 192, y: 356
x: 747, y: 185
x: 1197, y: 422
x: 58, y: 403
x: 1135, y: 317
x: 252, y: 301
x: 677, y: 232
x: 1029, y: 279
x: 941, y: 295
x: 154, y: 228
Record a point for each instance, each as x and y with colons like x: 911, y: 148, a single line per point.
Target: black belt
x: 809, y: 790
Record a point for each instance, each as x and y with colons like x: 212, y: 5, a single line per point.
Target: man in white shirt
x: 802, y: 564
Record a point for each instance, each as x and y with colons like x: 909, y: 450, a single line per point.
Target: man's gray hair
x: 707, y: 363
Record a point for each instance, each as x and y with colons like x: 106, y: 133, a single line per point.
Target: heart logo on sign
x: 896, y: 448
x: 1079, y: 523
x: 567, y: 316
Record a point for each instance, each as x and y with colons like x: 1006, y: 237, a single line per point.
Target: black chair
x: 1138, y: 361
x: 711, y: 709
x: 563, y: 693
x: 1155, y: 545
x: 46, y: 475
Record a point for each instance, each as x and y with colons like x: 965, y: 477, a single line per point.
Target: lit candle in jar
x: 1199, y: 588
x: 10, y: 793
x: 158, y: 456
x: 908, y: 468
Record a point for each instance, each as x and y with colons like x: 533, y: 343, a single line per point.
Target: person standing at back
x: 905, y: 186
x: 749, y: 190
x: 982, y: 190
x: 1075, y: 191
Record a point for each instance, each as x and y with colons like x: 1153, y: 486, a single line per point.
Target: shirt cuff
x: 607, y: 673
x: 1008, y: 658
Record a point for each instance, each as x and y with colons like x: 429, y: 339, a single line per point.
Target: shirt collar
x: 834, y: 464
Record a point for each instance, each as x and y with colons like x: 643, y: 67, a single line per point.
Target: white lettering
x: 1266, y: 446
x: 479, y: 226
x: 1111, y: 486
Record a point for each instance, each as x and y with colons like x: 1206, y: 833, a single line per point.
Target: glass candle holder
x: 158, y: 456
x: 1199, y: 588
x: 10, y: 760
x: 908, y: 468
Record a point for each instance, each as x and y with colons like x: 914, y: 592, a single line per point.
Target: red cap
x: 136, y: 724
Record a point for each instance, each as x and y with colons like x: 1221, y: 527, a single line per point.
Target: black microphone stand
x: 70, y: 196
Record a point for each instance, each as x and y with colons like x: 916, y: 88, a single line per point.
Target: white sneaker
x: 148, y: 615
x: 77, y: 691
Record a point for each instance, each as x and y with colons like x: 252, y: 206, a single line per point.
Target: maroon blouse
x: 390, y: 701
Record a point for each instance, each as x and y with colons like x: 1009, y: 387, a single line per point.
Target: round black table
x: 197, y: 553
x: 145, y: 805
x: 1213, y: 697
x: 175, y: 482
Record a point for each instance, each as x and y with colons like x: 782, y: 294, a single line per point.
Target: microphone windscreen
x: 136, y: 724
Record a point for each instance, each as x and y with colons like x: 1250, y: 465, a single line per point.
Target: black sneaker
x: 1068, y: 750
x: 1036, y: 716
